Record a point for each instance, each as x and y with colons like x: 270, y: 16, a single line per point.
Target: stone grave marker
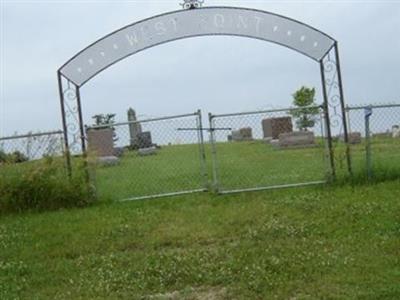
x: 354, y: 138
x: 147, y: 151
x: 135, y: 128
x: 246, y: 133
x: 144, y: 140
x: 243, y: 134
x: 101, y: 141
x: 297, y: 139
x: 273, y: 127
x: 396, y: 131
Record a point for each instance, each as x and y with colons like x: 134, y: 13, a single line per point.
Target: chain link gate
x: 259, y: 150
x: 156, y: 157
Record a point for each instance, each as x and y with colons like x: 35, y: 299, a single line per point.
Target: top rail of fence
x: 144, y: 121
x: 357, y: 107
x: 29, y: 135
x: 263, y: 111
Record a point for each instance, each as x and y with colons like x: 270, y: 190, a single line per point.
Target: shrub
x: 42, y: 185
x: 15, y: 157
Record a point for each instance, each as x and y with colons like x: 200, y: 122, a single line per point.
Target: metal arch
x: 75, y: 65
x: 73, y: 128
x: 177, y: 39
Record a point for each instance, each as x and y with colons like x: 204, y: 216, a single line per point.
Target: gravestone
x: 354, y: 138
x: 297, y: 139
x: 147, y: 151
x: 274, y: 143
x: 386, y: 134
x: 144, y: 140
x: 236, y: 135
x: 273, y: 127
x: 101, y: 141
x: 396, y: 131
x: 246, y: 133
x: 135, y: 128
x: 243, y: 134
x: 108, y: 160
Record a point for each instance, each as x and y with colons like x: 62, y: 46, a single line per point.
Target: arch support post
x: 72, y: 120
x: 331, y: 154
x: 334, y: 105
x: 343, y: 108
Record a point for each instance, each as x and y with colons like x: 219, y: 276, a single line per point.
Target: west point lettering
x: 174, y: 26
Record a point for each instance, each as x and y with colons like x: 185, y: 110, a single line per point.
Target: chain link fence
x: 268, y: 149
x: 148, y: 158
x: 375, y: 140
x: 31, y: 146
x: 245, y: 151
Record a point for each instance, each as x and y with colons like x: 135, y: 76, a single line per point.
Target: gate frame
x: 215, y: 173
x: 196, y: 116
x: 331, y: 80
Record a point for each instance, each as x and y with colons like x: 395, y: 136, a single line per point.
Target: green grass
x: 332, y: 242
x: 172, y: 169
x: 240, y: 165
x: 307, y: 243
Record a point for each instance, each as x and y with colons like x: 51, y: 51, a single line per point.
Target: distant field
x: 305, y: 243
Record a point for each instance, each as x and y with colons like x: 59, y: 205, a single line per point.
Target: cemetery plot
x: 139, y: 159
x: 271, y: 153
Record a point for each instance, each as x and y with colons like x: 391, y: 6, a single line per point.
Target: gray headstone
x: 135, y: 128
x: 246, y: 133
x: 273, y: 127
x: 108, y: 160
x: 236, y: 136
x: 243, y: 134
x: 147, y: 151
x: 297, y: 139
x: 144, y: 140
x: 354, y: 138
x: 101, y: 141
x: 274, y: 143
x: 396, y: 131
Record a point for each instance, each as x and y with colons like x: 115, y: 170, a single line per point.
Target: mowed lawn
x: 306, y: 243
x: 239, y: 165
x: 320, y: 242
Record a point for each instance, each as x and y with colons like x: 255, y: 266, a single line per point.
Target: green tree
x: 104, y: 120
x: 306, y: 111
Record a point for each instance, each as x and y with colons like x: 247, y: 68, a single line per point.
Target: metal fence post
x: 202, y: 151
x: 326, y: 150
x: 214, y: 153
x: 367, y: 114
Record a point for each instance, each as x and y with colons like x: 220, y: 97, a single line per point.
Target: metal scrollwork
x: 333, y: 90
x: 72, y: 120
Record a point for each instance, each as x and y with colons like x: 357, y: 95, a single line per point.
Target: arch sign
x: 207, y: 21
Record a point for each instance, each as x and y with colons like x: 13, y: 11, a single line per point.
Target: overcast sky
x: 215, y: 74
